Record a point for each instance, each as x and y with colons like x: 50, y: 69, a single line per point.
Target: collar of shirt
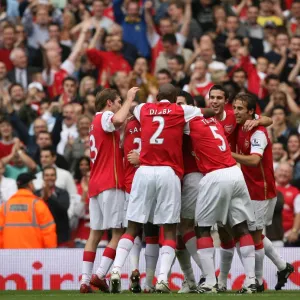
x: 164, y: 100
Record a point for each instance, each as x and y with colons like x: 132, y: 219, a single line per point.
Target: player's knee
x: 151, y: 230
x: 202, y: 232
x: 240, y: 229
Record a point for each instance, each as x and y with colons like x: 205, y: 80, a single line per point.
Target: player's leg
x: 167, y: 257
x: 184, y: 259
x: 89, y: 254
x: 240, y: 214
x: 226, y: 255
x: 190, y: 190
x: 246, y: 248
x: 134, y: 258
x: 167, y: 213
x: 206, y: 252
x: 112, y: 207
x: 151, y: 254
x: 123, y: 249
x: 284, y: 269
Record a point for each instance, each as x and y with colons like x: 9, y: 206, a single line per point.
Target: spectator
x: 270, y: 12
x: 65, y: 128
x: 76, y: 148
x: 65, y: 181
x: 89, y: 105
x: 18, y: 162
x: 280, y: 129
x: 293, y: 151
x: 279, y: 154
x: 4, y: 82
x: 293, y: 25
x: 21, y: 74
x: 180, y: 13
x: 254, y: 30
x: 58, y: 203
x: 108, y: 62
x: 291, y: 208
x: 54, y: 35
x: 134, y: 26
x: 25, y: 220
x: 7, y: 140
x: 9, y: 39
x: 203, y: 13
x: 44, y: 140
x: 8, y: 186
x: 142, y: 78
x: 282, y: 42
x: 176, y: 68
x: 239, y: 76
x: 69, y: 92
x: 199, y: 83
x: 87, y: 85
x: 170, y: 48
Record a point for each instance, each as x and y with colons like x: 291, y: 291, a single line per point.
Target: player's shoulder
x: 259, y: 130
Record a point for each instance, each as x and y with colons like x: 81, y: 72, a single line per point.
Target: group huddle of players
x: 178, y: 167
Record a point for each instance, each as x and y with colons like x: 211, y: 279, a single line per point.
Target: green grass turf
x: 63, y: 295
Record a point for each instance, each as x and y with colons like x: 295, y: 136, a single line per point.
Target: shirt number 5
x: 214, y: 130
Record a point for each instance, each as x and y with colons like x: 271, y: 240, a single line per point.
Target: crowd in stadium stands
x: 56, y: 55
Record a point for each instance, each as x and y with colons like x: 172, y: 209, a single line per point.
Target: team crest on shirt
x: 228, y: 128
x: 247, y: 144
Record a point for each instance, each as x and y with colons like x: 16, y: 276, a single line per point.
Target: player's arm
x: 260, y: 121
x: 258, y: 142
x: 120, y: 117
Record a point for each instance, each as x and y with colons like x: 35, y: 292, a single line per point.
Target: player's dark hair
x: 247, y: 98
x: 218, y: 87
x: 199, y: 101
x: 169, y: 38
x: 187, y: 96
x: 103, y: 96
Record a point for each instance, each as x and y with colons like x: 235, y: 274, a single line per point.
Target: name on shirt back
x: 164, y: 111
x: 209, y: 121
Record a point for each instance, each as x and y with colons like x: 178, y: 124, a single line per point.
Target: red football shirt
x: 161, y: 133
x: 132, y: 141
x: 189, y: 160
x: 229, y: 125
x: 107, y: 170
x: 260, y: 179
x: 109, y: 62
x: 210, y: 145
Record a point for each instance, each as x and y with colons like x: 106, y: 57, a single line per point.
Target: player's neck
x: 220, y: 116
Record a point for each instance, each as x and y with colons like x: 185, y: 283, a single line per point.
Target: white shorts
x: 155, y: 196
x: 125, y: 221
x: 263, y: 212
x: 223, y: 197
x: 189, y: 194
x: 107, y: 210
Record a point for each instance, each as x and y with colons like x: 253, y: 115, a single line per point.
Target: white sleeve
x: 186, y: 129
x: 297, y: 204
x: 137, y: 111
x: 153, y: 38
x: 68, y: 66
x: 258, y: 142
x: 191, y: 112
x: 181, y: 39
x: 106, y: 123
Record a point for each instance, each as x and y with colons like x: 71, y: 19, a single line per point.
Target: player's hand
x: 292, y: 237
x: 250, y: 124
x: 134, y: 158
x: 131, y: 93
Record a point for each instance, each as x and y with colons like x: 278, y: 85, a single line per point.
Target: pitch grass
x: 65, y: 295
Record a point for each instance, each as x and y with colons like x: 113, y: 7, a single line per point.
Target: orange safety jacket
x: 26, y: 223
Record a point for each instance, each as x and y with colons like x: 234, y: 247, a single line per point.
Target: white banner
x: 60, y: 269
